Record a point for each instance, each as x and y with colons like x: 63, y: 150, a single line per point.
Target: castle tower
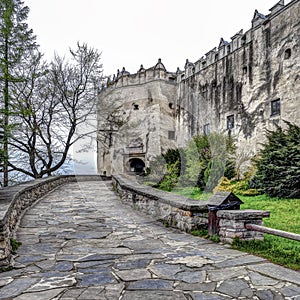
x: 135, y: 119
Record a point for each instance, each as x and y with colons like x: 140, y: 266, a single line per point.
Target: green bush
x: 221, y: 161
x: 278, y: 163
x: 196, y: 158
x: 238, y: 187
x: 170, y: 178
x: 201, y: 164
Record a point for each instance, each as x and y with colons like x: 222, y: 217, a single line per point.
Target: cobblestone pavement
x: 80, y: 242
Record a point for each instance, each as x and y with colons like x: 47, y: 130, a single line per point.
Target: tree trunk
x: 6, y: 115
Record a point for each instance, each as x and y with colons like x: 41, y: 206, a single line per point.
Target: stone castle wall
x: 244, y: 87
x: 142, y: 101
x: 242, y: 78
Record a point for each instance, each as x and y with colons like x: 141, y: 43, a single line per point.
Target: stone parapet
x: 187, y: 214
x: 173, y: 210
x: 231, y: 224
x: 16, y: 199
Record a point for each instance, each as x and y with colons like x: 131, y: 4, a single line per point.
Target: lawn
x: 284, y: 215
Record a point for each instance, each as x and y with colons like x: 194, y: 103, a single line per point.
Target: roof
x: 223, y: 198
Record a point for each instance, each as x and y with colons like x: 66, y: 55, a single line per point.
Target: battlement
x: 124, y: 78
x: 238, y: 41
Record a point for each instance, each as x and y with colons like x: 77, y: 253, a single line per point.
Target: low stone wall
x: 16, y: 199
x: 232, y: 224
x: 173, y: 210
x: 187, y: 214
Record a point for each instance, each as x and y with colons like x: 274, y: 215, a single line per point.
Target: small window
x: 171, y: 135
x: 275, y: 107
x: 135, y: 106
x: 243, y: 39
x: 206, y: 129
x: 287, y: 53
x: 230, y: 122
x: 268, y: 37
x: 171, y: 106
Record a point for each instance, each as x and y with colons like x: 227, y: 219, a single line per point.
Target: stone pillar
x: 232, y: 224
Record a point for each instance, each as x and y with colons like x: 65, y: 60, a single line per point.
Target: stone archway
x: 137, y: 165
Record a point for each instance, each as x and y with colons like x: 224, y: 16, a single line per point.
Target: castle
x: 242, y: 87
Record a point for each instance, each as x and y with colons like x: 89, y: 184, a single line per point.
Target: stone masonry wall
x: 173, y: 210
x: 142, y: 102
x: 232, y: 224
x: 241, y: 79
x: 243, y: 87
x: 187, y: 214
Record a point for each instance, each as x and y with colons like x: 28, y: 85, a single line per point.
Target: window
x: 230, y: 122
x: 275, y: 107
x: 171, y: 135
x: 268, y: 37
x: 243, y: 39
x: 135, y: 106
x: 171, y: 106
x: 287, y: 53
x: 206, y: 129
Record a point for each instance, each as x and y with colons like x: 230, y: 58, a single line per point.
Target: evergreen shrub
x: 278, y: 163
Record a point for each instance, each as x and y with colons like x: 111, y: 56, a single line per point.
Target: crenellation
x: 258, y: 19
x: 124, y: 78
x: 277, y: 7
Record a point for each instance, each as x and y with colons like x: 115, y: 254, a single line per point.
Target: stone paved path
x: 80, y: 242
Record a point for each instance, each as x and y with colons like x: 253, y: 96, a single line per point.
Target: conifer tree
x: 278, y: 166
x: 16, y: 41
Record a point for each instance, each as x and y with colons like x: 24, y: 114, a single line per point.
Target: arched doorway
x: 136, y: 165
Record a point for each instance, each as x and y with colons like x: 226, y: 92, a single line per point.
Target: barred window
x: 230, y: 122
x: 275, y: 107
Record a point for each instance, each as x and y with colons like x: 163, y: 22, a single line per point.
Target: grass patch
x: 284, y: 215
x: 276, y: 249
x: 14, y: 245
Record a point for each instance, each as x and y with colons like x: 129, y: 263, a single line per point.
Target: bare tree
x: 53, y: 103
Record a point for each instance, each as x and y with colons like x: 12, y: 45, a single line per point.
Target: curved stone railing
x: 221, y: 213
x: 173, y: 210
x: 16, y: 199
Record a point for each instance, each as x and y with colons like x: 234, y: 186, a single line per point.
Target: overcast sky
x: 134, y: 32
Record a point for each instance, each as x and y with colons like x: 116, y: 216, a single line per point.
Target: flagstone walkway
x: 81, y: 242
